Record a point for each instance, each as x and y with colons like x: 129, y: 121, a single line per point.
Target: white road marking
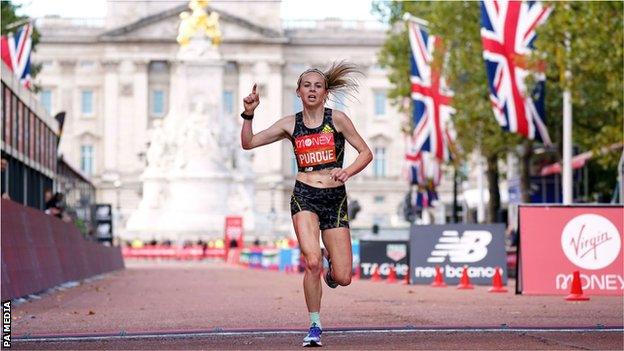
x: 123, y: 336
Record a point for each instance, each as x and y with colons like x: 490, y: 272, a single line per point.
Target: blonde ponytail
x: 340, y: 78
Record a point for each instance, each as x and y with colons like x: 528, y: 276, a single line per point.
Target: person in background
x: 233, y: 243
x: 53, y: 204
x: 48, y: 198
x: 3, y: 167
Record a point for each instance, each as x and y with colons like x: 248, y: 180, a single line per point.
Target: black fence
x: 78, y: 191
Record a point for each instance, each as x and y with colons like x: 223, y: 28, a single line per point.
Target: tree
x: 458, y: 25
x: 595, y: 32
x: 595, y: 61
x: 9, y: 18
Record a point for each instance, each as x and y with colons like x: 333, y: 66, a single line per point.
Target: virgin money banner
x: 480, y: 247
x: 234, y: 230
x: 558, y: 240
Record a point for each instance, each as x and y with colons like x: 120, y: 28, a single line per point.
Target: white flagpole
x: 621, y: 178
x: 566, y: 179
x: 566, y: 171
x: 18, y: 23
x: 480, y: 186
x: 409, y: 17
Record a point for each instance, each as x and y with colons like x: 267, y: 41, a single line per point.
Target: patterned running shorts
x: 329, y: 204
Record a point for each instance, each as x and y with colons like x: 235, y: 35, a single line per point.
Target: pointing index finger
x: 253, y: 90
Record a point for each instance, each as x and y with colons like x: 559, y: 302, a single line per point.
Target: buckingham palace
x: 119, y: 79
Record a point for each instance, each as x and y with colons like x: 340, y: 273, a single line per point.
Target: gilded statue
x: 198, y: 20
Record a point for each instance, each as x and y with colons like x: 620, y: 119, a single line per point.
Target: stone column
x: 245, y: 82
x: 278, y: 155
x: 138, y: 119
x: 111, y: 116
x: 67, y: 90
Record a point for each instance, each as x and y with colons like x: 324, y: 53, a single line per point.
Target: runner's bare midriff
x: 319, y: 179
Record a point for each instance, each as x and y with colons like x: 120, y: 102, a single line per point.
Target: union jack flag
x: 16, y: 52
x: 423, y: 168
x: 507, y: 34
x: 430, y: 95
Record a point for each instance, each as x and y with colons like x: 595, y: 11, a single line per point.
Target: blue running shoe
x: 327, y: 277
x: 313, y: 339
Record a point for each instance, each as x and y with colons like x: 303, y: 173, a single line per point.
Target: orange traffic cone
x: 497, y: 282
x: 375, y: 276
x: 464, y: 282
x: 438, y: 279
x: 576, y: 290
x: 392, y: 277
x: 406, y: 280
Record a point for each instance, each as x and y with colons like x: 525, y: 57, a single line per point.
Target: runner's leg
x: 306, y: 225
x: 338, y: 243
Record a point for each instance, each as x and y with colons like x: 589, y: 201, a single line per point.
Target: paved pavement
x: 209, y: 305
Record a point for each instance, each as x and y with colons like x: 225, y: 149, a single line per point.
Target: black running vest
x: 320, y: 147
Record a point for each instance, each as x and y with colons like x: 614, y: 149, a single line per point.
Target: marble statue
x: 190, y: 184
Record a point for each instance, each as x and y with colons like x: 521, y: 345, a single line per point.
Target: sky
x: 291, y: 9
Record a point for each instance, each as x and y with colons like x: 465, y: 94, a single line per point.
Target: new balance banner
x: 383, y: 255
x: 480, y: 247
x: 555, y: 241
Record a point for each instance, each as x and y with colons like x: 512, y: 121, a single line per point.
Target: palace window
x: 379, y: 162
x: 45, y: 96
x: 86, y: 159
x: 86, y: 102
x: 380, y: 103
x: 228, y: 102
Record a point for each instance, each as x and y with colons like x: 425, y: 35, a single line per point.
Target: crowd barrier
x: 193, y: 252
x: 41, y: 251
x: 283, y: 259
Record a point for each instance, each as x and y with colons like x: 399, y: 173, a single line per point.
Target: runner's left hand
x: 339, y: 174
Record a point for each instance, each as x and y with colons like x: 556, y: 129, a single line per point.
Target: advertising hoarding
x: 383, y: 255
x: 555, y: 241
x: 480, y: 247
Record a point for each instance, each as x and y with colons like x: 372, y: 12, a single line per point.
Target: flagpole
x: 480, y: 198
x: 17, y: 23
x: 566, y: 179
x: 481, y: 203
x: 621, y: 178
x: 566, y: 172
x: 409, y: 17
x: 455, y: 218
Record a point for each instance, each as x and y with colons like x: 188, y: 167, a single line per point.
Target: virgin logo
x: 591, y: 241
